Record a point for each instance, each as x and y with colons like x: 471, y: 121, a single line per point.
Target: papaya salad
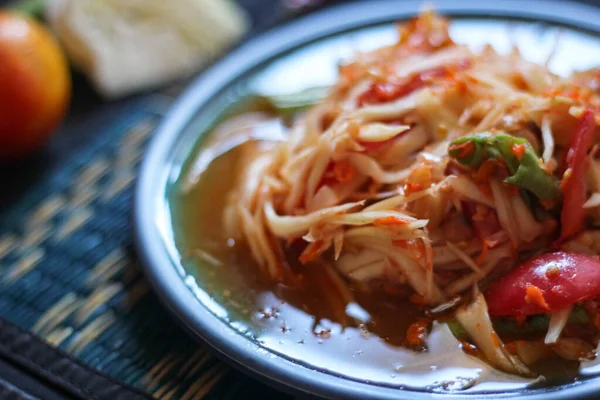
x: 466, y: 182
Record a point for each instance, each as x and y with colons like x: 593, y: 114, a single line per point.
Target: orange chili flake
x: 483, y: 254
x: 464, y: 149
x: 518, y: 150
x: 520, y: 319
x: 511, y: 347
x: 412, y: 187
x: 344, y: 172
x: 533, y: 295
x: 496, y: 340
x: 390, y: 220
x: 469, y: 348
x: 417, y: 333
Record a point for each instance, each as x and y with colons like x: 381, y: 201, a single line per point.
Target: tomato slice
x: 545, y: 283
x: 573, y: 183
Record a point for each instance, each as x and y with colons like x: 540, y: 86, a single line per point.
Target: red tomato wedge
x: 573, y: 184
x: 545, y: 283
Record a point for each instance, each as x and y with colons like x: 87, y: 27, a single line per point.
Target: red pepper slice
x: 573, y: 183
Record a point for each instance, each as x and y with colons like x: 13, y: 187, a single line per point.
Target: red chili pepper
x: 573, y: 184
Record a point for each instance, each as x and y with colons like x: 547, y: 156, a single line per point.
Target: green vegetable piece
x: 457, y: 330
x: 526, y: 172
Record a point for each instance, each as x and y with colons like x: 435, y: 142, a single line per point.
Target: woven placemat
x: 69, y: 273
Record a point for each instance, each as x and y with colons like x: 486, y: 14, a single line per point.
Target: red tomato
x: 35, y: 84
x: 558, y: 279
x: 573, y: 184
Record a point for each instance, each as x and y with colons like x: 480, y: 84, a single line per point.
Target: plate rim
x: 158, y: 265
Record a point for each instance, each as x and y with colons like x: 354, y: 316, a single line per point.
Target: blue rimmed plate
x: 304, y: 54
